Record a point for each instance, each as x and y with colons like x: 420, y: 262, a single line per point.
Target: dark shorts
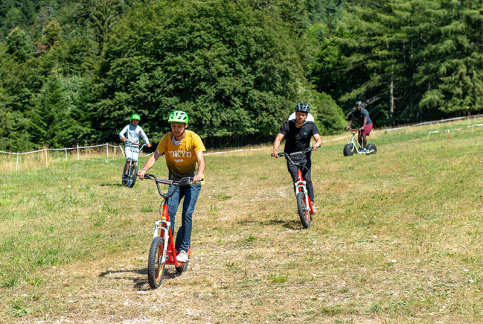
x: 367, y: 130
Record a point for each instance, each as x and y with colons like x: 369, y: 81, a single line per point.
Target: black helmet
x: 303, y: 107
x: 358, y: 103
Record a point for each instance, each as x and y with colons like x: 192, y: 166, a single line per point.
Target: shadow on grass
x: 292, y: 224
x: 140, y: 282
x: 111, y: 185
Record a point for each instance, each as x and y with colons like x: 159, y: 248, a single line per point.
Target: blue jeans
x: 190, y: 194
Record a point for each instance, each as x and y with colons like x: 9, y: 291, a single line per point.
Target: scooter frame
x: 353, y: 146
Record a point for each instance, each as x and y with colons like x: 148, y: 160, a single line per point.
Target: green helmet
x: 136, y: 117
x: 178, y: 117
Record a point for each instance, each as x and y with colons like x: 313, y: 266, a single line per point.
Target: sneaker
x: 182, y: 256
x: 365, y: 150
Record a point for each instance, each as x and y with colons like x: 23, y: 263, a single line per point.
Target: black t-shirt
x: 297, y: 139
x: 359, y: 115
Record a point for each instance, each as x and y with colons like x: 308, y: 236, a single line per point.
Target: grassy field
x: 397, y: 238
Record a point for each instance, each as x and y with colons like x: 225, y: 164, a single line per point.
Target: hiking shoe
x: 182, y: 256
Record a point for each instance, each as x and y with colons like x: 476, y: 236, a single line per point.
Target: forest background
x: 73, y: 72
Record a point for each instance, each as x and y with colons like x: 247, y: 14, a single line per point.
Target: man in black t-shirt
x: 297, y: 134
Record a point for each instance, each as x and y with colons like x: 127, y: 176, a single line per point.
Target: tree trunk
x: 391, y: 97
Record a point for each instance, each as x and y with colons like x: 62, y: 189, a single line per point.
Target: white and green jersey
x: 133, y: 134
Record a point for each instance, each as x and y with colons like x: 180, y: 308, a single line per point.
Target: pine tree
x: 102, y: 18
x: 18, y: 45
x: 365, y: 59
x: 49, y: 118
x: 52, y: 33
x: 450, y: 63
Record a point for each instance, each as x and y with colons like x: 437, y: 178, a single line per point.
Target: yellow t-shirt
x: 181, y: 159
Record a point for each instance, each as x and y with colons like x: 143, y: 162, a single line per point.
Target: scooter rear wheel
x: 371, y: 147
x: 182, y: 268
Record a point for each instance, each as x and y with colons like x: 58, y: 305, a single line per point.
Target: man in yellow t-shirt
x: 183, y: 150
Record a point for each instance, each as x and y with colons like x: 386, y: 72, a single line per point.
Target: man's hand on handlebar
x: 149, y: 145
x: 123, y: 139
x: 141, y: 173
x: 347, y: 128
x: 315, y: 146
x: 275, y: 154
x: 197, y: 178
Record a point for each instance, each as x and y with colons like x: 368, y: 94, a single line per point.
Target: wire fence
x: 112, y: 149
x: 66, y: 151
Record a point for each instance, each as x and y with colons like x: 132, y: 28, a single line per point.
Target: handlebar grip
x: 190, y: 180
x: 129, y: 142
x: 149, y: 176
x: 280, y: 154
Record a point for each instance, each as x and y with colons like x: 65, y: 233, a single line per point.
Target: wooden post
x: 77, y: 152
x: 107, y: 149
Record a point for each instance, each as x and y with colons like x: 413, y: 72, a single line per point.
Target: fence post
x: 65, y: 154
x: 107, y: 149
x: 16, y: 167
x: 77, y: 152
x: 46, y: 158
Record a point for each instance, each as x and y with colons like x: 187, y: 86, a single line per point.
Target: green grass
x: 397, y: 238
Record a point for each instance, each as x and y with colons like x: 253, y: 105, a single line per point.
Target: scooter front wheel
x: 303, y: 210
x: 349, y: 149
x: 155, y: 263
x: 133, y: 173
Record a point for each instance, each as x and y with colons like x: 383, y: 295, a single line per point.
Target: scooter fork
x: 162, y: 227
x: 302, y: 186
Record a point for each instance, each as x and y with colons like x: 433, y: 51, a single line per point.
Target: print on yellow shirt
x: 181, y: 159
